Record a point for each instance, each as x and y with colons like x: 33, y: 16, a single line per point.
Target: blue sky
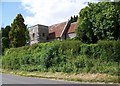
x: 10, y: 10
x: 46, y: 12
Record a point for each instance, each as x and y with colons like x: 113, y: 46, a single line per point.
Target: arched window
x: 33, y: 35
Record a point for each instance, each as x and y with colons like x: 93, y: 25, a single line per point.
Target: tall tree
x: 17, y: 32
x: 99, y: 21
x: 5, y: 37
x: 5, y: 31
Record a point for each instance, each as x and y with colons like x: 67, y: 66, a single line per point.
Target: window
x: 33, y: 35
x: 43, y: 34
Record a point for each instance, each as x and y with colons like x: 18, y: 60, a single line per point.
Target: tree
x: 99, y: 21
x: 5, y: 31
x: 17, y: 34
x: 5, y: 43
x: 5, y: 37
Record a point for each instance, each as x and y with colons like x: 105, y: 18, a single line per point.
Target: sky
x: 45, y: 12
x: 10, y: 10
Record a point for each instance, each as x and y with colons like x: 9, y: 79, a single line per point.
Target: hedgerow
x: 65, y: 56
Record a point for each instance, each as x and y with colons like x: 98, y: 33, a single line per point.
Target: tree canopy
x: 5, y: 37
x: 99, y: 21
x: 18, y: 32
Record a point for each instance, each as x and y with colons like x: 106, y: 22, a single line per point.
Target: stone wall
x: 43, y: 33
x: 38, y: 33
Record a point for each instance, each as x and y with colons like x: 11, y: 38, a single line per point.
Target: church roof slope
x: 56, y: 29
x: 72, y: 27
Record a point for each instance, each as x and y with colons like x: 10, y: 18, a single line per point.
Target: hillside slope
x: 65, y: 56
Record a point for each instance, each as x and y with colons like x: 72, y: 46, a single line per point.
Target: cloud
x: 49, y: 12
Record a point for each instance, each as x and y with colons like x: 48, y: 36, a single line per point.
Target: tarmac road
x: 11, y: 80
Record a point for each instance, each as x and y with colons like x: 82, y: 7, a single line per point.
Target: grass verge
x: 82, y: 77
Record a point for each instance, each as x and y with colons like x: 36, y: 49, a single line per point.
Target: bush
x: 111, y: 49
x: 65, y: 56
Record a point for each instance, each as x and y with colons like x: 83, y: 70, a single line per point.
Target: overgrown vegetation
x: 18, y: 33
x: 4, y: 36
x: 99, y: 21
x: 65, y: 56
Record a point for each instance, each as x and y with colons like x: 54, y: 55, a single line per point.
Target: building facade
x: 41, y: 33
x: 38, y: 33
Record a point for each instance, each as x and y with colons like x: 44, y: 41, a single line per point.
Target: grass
x: 81, y: 77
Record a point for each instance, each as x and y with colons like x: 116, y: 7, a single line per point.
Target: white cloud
x: 48, y: 12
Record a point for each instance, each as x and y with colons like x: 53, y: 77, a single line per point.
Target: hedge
x: 65, y: 56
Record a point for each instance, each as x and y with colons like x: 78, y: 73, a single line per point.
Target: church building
x: 61, y: 31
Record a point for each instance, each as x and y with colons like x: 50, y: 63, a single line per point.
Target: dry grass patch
x: 82, y: 77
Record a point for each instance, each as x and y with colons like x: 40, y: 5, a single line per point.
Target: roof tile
x: 56, y: 30
x: 72, y: 28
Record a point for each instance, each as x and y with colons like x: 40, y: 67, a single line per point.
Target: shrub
x: 65, y: 56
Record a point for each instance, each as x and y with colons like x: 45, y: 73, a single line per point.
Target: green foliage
x: 65, y: 56
x: 5, y: 37
x: 18, y: 33
x: 5, y: 42
x: 111, y: 48
x: 99, y: 21
x: 5, y: 31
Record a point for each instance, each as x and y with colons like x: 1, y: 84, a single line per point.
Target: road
x: 11, y: 79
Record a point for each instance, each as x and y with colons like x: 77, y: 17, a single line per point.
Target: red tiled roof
x: 56, y: 30
x: 72, y: 27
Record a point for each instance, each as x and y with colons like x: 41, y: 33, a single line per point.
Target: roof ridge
x: 57, y: 23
